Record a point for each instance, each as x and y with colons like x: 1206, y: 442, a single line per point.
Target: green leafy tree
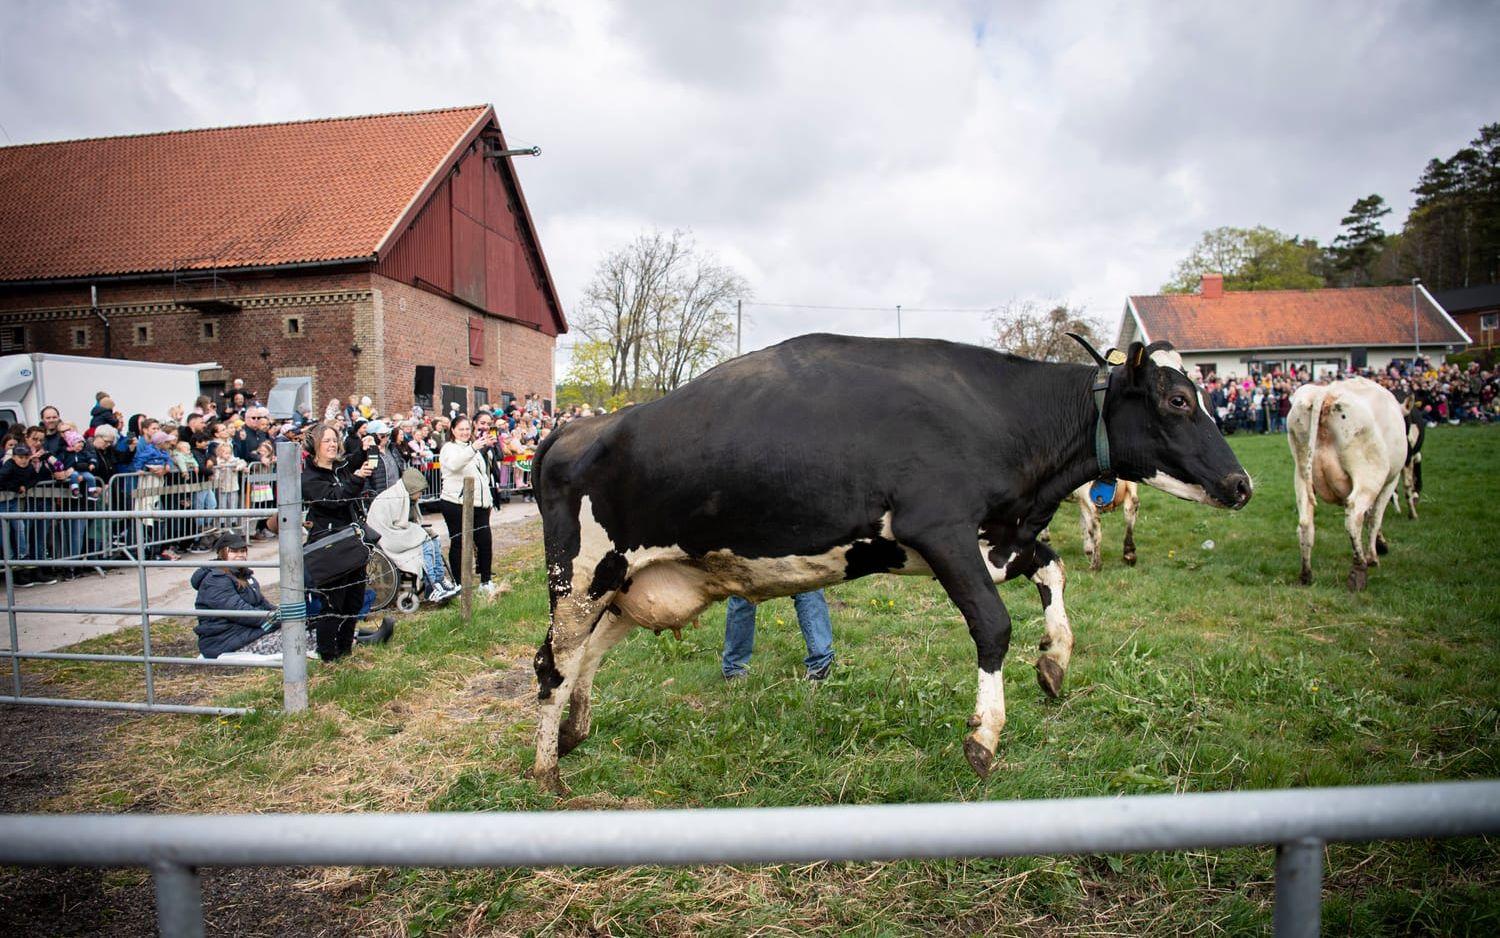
x: 588, y: 377
x: 1452, y: 237
x: 1354, y: 253
x: 1258, y: 258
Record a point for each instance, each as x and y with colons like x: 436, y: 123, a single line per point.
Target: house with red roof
x: 391, y: 255
x: 1228, y: 332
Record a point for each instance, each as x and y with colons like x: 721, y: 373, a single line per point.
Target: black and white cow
x: 1411, y: 473
x: 775, y: 473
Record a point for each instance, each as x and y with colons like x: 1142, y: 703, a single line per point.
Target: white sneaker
x: 489, y: 589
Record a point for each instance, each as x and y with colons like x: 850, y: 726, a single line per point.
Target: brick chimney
x: 1212, y: 286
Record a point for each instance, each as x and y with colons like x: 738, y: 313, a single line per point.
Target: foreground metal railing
x: 1298, y: 821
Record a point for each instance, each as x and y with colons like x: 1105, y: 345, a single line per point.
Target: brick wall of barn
x: 305, y: 325
x: 421, y: 328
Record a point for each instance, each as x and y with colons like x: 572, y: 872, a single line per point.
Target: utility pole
x: 739, y: 324
x: 898, y: 320
x: 1416, y: 336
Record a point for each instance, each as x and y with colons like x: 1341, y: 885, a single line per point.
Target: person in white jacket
x: 464, y: 457
x: 393, y: 516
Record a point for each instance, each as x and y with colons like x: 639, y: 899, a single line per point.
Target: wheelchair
x: 392, y: 584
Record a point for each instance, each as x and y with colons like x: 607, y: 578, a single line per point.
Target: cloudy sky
x: 936, y: 155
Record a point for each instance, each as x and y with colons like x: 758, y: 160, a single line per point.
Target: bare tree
x: 1025, y: 328
x: 696, y: 330
x: 660, y: 311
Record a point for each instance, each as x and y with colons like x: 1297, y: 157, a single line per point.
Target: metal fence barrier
x: 94, y: 536
x: 513, y: 477
x: 1300, y: 822
x: 137, y: 534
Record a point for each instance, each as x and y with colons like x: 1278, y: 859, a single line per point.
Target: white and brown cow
x: 1128, y: 500
x: 1349, y: 445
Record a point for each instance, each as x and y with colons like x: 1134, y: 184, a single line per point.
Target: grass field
x: 1198, y: 670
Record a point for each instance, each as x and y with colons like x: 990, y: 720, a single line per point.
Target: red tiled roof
x: 318, y: 190
x: 1269, y: 319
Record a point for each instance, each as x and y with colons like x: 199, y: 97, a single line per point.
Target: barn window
x: 143, y: 334
x: 476, y: 340
x: 12, y: 339
x: 208, y: 330
x: 80, y: 336
x: 291, y: 326
x: 1489, y: 322
x: 481, y: 398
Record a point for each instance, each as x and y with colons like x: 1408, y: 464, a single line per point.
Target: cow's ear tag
x: 1115, y: 357
x: 1102, y: 492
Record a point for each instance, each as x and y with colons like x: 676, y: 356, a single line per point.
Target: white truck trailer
x: 32, y: 381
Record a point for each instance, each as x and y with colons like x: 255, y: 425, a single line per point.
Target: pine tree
x: 1355, y: 251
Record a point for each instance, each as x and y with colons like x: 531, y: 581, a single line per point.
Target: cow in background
x: 1128, y: 498
x: 1349, y: 445
x: 1411, y: 473
x: 773, y: 474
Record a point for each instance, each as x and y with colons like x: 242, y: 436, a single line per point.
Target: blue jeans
x: 812, y: 616
x: 432, y: 563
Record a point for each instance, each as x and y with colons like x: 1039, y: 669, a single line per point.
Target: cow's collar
x: 1102, y: 492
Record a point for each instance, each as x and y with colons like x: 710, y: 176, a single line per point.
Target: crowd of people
x: 221, y: 453
x: 1447, y: 393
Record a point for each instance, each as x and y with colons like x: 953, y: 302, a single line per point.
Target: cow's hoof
x: 1359, y: 578
x: 1130, y: 560
x: 568, y: 741
x: 1096, y: 565
x: 1306, y: 577
x: 549, y: 780
x: 980, y: 758
x: 1381, y: 547
x: 1049, y: 674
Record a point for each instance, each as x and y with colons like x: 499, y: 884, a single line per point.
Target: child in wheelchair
x: 394, y: 518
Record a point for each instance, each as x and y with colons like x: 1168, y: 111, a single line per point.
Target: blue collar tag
x: 1102, y: 492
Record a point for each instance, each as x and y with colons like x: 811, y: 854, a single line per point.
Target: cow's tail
x: 1312, y: 441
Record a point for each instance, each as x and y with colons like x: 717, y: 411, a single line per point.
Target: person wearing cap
x: 233, y: 588
x: 394, y: 517
x: 388, y: 465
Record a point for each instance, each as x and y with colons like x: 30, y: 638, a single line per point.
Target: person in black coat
x: 230, y: 588
x: 333, y: 489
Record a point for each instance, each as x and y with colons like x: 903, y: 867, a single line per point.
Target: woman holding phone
x: 464, y: 457
x: 333, y: 490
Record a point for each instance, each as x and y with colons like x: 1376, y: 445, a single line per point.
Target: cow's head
x: 1162, y: 433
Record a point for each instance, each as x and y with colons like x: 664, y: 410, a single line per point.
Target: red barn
x: 392, y: 256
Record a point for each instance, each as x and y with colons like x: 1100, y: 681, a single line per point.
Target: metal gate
x: 134, y: 535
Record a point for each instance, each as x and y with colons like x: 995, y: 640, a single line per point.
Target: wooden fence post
x: 467, y: 527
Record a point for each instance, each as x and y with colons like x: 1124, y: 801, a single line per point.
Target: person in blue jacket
x: 234, y: 588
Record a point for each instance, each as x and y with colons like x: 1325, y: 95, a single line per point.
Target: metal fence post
x: 293, y: 592
x: 140, y: 565
x: 10, y: 604
x: 467, y: 529
x: 179, y: 900
x: 1299, y: 888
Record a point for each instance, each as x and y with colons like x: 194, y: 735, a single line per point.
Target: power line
x: 885, y: 309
